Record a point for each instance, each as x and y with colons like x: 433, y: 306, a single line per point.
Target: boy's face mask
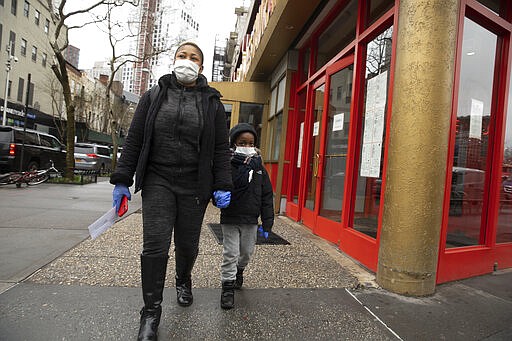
x: 186, y: 71
x: 245, y: 150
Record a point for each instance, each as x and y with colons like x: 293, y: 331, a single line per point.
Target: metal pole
x: 8, y: 69
x: 25, y: 121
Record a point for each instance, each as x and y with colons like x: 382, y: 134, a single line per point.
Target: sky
x: 216, y: 18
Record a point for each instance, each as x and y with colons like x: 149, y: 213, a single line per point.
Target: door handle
x: 316, y: 161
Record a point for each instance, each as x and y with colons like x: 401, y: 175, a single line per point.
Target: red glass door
x: 334, y: 152
x: 312, y: 139
x: 296, y: 128
x: 476, y: 235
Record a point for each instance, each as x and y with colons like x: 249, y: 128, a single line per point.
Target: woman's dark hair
x: 190, y: 44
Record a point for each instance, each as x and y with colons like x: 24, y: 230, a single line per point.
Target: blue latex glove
x: 118, y: 193
x: 262, y: 233
x: 221, y: 199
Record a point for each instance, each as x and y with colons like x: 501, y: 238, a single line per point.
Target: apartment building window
x: 31, y: 94
x: 1, y: 30
x: 14, y: 6
x: 46, y: 26
x: 21, y: 84
x: 37, y: 17
x: 34, y: 53
x: 44, y: 57
x: 26, y: 8
x: 23, y: 48
x: 12, y: 42
x: 275, y: 123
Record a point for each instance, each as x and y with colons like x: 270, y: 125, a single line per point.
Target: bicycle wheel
x: 38, y: 178
x: 10, y: 178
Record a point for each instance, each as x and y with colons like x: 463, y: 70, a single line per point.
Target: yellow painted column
x: 415, y: 178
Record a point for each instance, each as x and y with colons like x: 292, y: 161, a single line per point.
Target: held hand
x: 222, y: 198
x: 262, y: 233
x: 118, y: 193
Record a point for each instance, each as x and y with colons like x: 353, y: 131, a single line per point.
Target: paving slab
x: 479, y: 308
x: 52, y: 312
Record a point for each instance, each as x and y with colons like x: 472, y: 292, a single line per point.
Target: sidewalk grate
x: 273, y: 238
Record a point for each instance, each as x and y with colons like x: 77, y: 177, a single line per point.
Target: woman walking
x: 177, y: 146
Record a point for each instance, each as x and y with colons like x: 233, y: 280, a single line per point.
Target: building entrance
x: 326, y: 160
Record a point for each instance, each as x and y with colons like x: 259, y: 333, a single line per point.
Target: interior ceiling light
x: 289, y: 27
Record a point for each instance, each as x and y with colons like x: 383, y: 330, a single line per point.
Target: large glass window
x: 275, y: 121
x: 314, y: 157
x: 371, y: 157
x: 377, y: 9
x: 504, y: 230
x: 339, y: 34
x: 335, y: 158
x: 471, y: 140
x: 493, y: 5
x: 252, y: 113
x: 228, y: 108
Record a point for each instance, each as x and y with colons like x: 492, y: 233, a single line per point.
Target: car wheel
x: 32, y: 166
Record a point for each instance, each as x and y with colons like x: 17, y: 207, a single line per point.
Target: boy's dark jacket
x: 249, y: 200
x: 214, y: 153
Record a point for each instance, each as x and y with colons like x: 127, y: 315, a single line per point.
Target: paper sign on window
x: 374, y: 119
x: 337, y: 123
x: 301, y: 136
x: 316, y: 128
x: 475, y: 121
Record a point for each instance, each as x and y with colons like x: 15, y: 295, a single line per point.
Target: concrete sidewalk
x: 305, y: 290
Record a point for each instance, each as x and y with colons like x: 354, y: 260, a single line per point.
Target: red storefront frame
x: 462, y: 262
x: 358, y: 245
x: 454, y: 263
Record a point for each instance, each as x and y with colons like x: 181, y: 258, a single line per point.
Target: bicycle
x: 31, y: 178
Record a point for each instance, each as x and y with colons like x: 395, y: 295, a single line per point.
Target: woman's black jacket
x: 214, y: 171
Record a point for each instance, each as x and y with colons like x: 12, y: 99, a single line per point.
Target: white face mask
x: 245, y: 150
x: 186, y: 71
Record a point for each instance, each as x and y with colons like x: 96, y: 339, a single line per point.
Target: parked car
x: 39, y: 150
x: 507, y: 187
x: 90, y: 156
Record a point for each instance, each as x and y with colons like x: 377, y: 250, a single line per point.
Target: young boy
x: 251, y: 198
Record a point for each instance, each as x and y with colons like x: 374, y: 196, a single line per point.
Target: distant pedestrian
x: 177, y: 146
x: 252, y: 197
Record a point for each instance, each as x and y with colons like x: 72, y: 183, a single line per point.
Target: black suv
x: 39, y: 149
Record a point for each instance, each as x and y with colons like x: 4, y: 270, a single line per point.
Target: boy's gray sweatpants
x: 239, y: 241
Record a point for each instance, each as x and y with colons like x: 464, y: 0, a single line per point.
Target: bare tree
x: 117, y: 33
x: 59, y: 42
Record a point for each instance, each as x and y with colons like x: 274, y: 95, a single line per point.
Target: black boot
x: 239, y: 281
x: 153, y: 279
x: 184, y: 265
x: 227, y: 297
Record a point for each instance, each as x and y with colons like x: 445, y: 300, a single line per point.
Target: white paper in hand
x: 103, y: 223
